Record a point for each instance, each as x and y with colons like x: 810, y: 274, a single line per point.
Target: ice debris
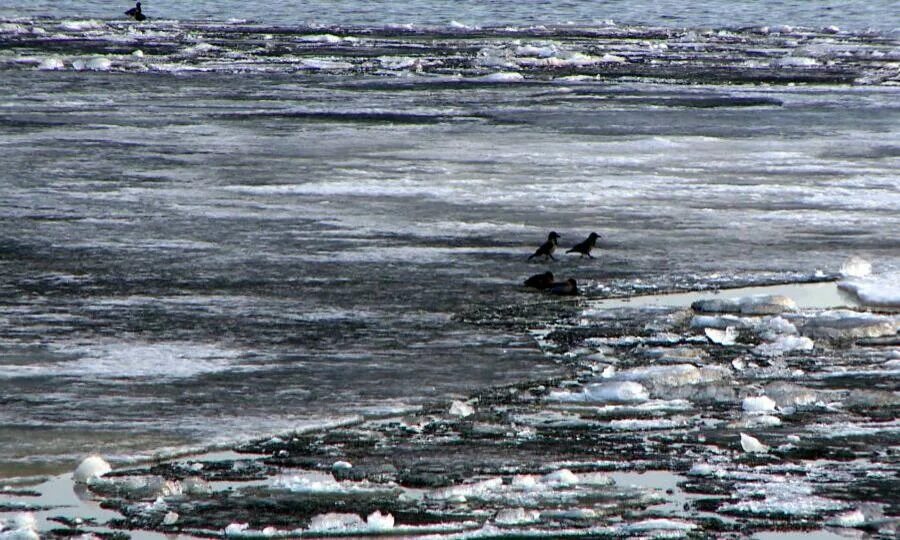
x: 854, y: 518
x: 517, y: 516
x: 881, y: 291
x: 236, y: 529
x: 377, y: 521
x: 752, y: 445
x: 19, y: 527
x: 170, y: 518
x: 722, y: 337
x: 758, y: 404
x: 562, y: 477
x: 762, y: 304
x: 334, y: 521
x: 616, y: 392
x: 783, y: 345
x: 461, y: 409
x: 846, y: 324
x: 90, y: 468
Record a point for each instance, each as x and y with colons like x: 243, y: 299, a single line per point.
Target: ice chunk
x: 796, y: 61
x: 377, y: 521
x: 51, y: 63
x: 626, y: 391
x: 752, y: 444
x: 660, y: 524
x: 90, y: 468
x: 846, y: 324
x: 877, y: 291
x: 461, y: 409
x: 562, y: 477
x: 341, y: 465
x: 856, y: 267
x: 721, y: 322
x: 335, y: 522
x: 673, y: 375
x: 503, y: 77
x: 517, y: 516
x: 236, y: 529
x: 170, y: 519
x: 758, y: 404
x: 722, y: 337
x: 762, y: 304
x: 854, y: 518
x: 19, y: 527
x: 772, y: 327
x: 783, y: 345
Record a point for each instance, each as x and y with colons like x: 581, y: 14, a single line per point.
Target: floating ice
x: 94, y: 64
x: 502, y: 77
x: 236, y: 529
x: 329, y: 39
x: 562, y: 477
x: 781, y: 497
x: 772, y: 327
x: 673, y: 375
x: 877, y: 291
x: 517, y: 516
x: 762, y: 304
x: 461, y: 409
x: 624, y: 392
x: 90, y: 468
x: 19, y: 527
x: 722, y: 337
x: 51, y: 63
x: 538, y: 52
x: 78, y: 26
x: 758, y: 404
x: 377, y: 521
x: 854, y: 518
x: 342, y: 464
x: 752, y: 444
x: 170, y: 518
x: 796, y: 61
x: 844, y: 324
x: 335, y: 522
x: 720, y: 322
x: 659, y: 524
x: 784, y: 345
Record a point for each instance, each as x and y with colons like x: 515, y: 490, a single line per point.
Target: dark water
x: 249, y: 228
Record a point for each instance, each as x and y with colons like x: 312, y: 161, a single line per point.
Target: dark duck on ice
x: 540, y: 281
x: 547, y: 248
x: 565, y: 288
x: 135, y: 13
x: 586, y: 246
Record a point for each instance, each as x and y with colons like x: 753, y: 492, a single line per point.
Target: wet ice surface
x: 235, y: 231
x: 654, y: 430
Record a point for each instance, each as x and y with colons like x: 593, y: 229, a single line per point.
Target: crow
x: 585, y: 247
x: 548, y: 247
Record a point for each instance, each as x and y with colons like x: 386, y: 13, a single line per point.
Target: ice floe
x: 764, y: 304
x: 784, y: 345
x: 844, y: 324
x: 728, y: 336
x: 461, y: 409
x: 617, y: 392
x: 92, y: 467
x: 759, y: 404
x: 517, y: 516
x: 881, y: 291
x: 751, y: 444
x: 19, y: 527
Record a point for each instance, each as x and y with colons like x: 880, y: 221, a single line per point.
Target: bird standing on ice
x: 548, y: 247
x: 135, y: 12
x: 586, y: 246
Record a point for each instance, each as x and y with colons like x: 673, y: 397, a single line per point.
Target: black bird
x: 585, y: 247
x: 565, y: 288
x: 135, y: 13
x: 548, y: 247
x: 540, y: 281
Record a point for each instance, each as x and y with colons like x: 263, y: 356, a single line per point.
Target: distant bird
x: 540, y: 281
x: 135, y: 13
x: 565, y: 288
x: 548, y: 247
x: 585, y: 247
